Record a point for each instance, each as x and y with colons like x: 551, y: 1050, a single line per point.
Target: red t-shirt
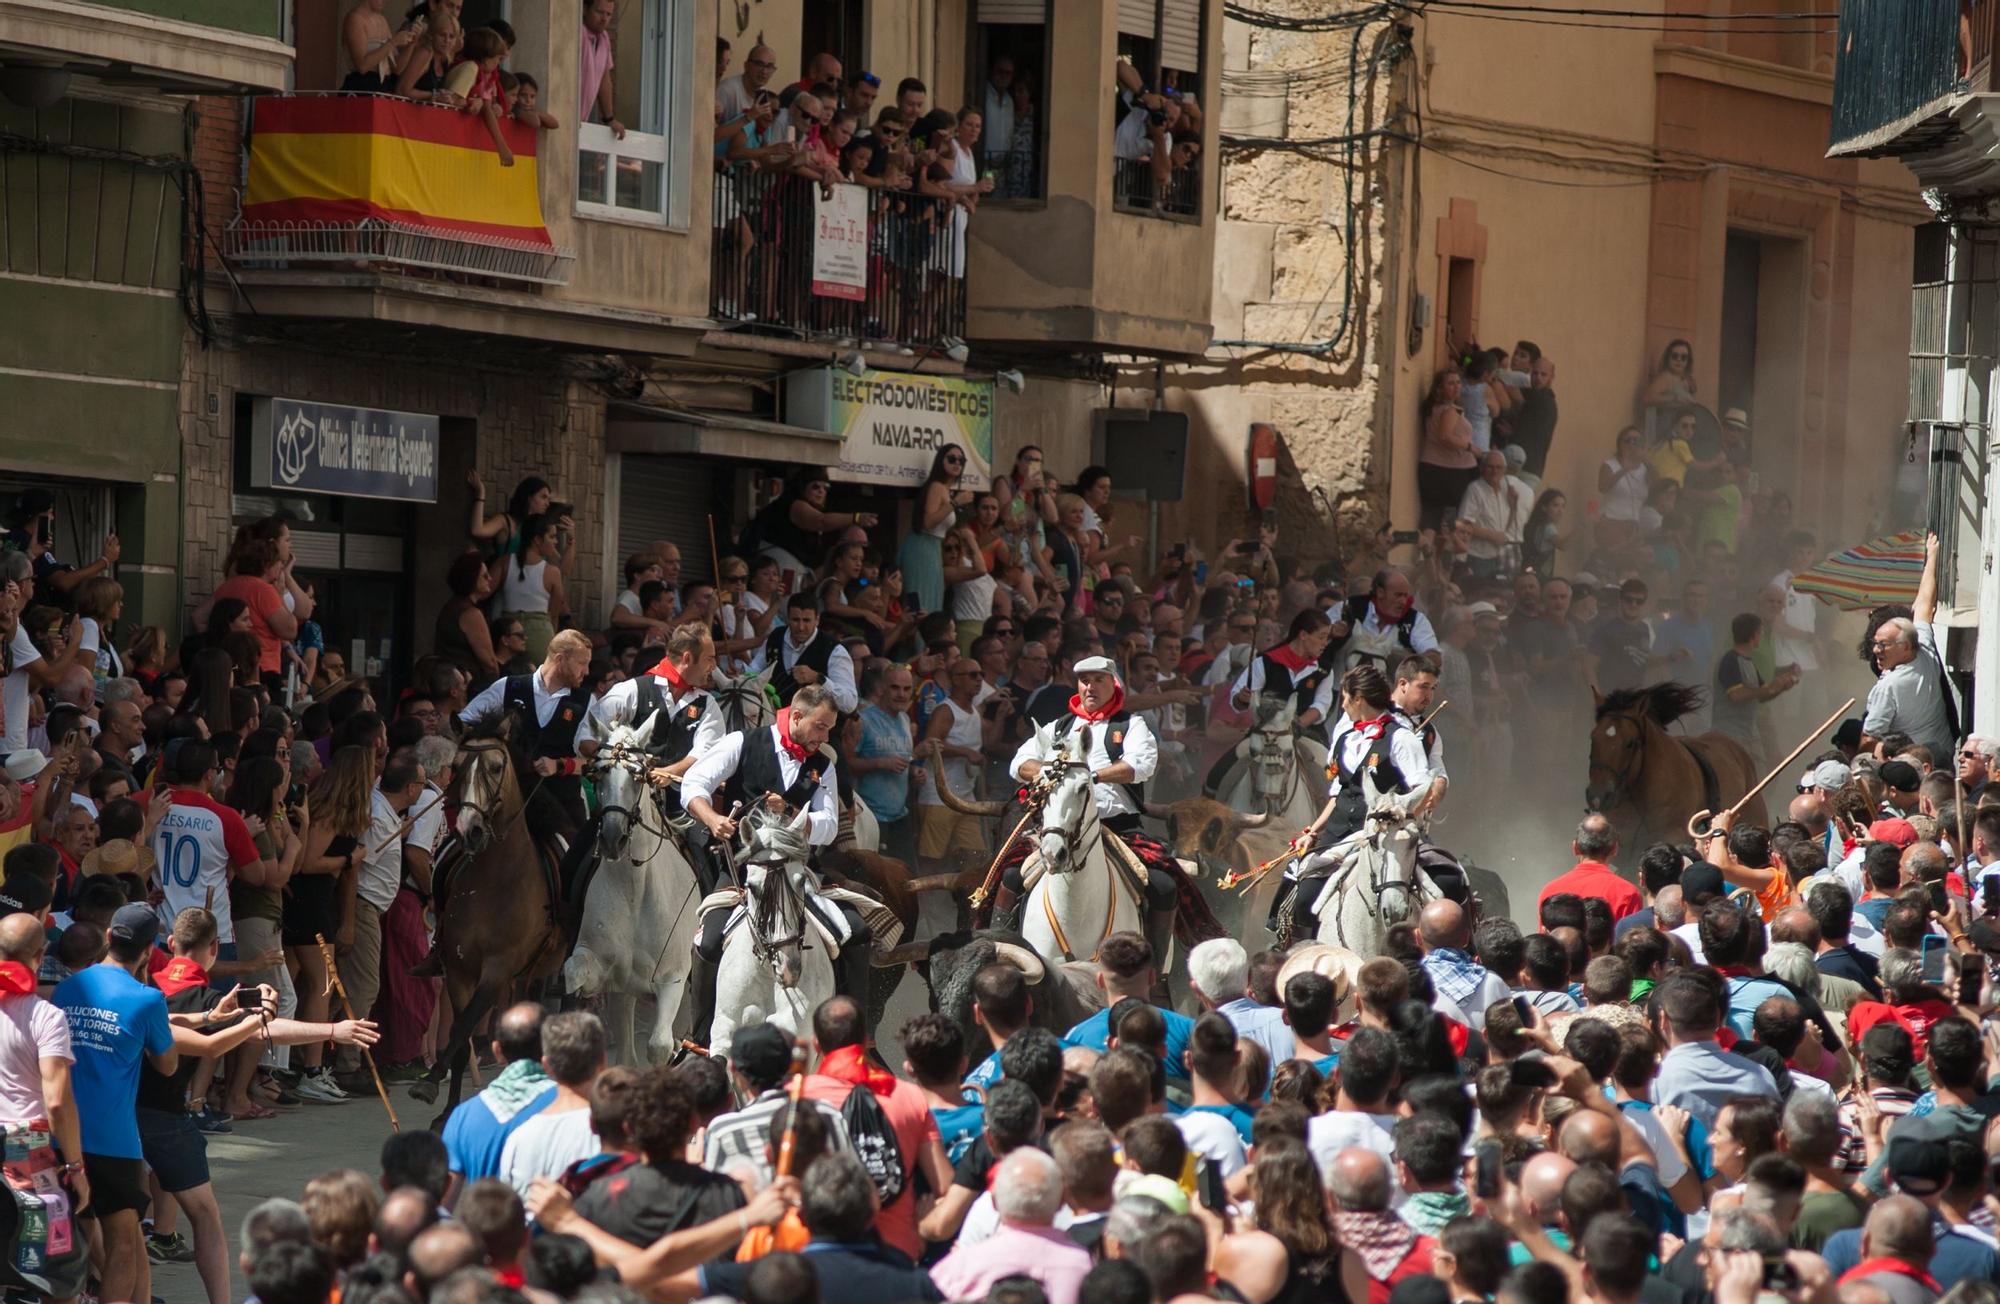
x: 262, y: 600
x: 1592, y: 879
x: 910, y: 1115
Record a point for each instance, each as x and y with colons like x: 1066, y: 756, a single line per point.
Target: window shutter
x: 667, y: 498
x: 1017, y: 13
x: 1135, y: 18
x: 1180, y: 41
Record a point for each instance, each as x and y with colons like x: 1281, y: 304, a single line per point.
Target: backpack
x: 874, y: 1141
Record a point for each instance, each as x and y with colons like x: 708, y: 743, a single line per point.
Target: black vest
x: 1350, y: 808
x: 814, y: 657
x: 1114, y: 746
x: 1427, y: 735
x: 758, y: 775
x: 556, y: 739
x: 1303, y: 690
x: 1355, y: 610
x: 673, y: 734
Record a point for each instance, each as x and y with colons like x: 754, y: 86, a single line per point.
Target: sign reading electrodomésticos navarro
x: 320, y: 448
x: 892, y: 423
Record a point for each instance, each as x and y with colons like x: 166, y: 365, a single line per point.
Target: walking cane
x: 1700, y: 823
x: 334, y: 985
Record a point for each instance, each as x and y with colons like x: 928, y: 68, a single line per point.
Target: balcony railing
x: 841, y: 262
x: 376, y: 182
x: 1898, y: 61
x: 1136, y: 188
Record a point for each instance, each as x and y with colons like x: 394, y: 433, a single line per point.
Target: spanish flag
x: 342, y: 160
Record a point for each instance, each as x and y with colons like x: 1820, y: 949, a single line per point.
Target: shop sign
x: 891, y: 424
x: 321, y: 448
x: 840, y: 243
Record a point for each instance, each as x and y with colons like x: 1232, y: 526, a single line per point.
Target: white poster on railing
x: 840, y: 243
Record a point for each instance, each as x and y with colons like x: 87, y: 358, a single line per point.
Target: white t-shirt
x: 545, y: 1145
x: 973, y: 599
x: 1334, y: 1131
x: 31, y: 1030
x: 1627, y: 496
x: 1666, y: 1160
x: 1215, y: 1139
x: 382, y: 870
x: 1795, y: 632
x: 630, y: 601
x: 198, y: 842
x: 14, y: 700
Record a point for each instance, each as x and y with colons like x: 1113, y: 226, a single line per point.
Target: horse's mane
x: 1664, y: 703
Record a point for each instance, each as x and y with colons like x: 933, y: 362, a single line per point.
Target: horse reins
x: 500, y: 831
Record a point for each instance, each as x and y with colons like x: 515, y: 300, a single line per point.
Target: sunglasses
x: 758, y: 63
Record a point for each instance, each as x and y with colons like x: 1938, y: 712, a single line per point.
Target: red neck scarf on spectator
x: 16, y: 979
x: 849, y: 1065
x: 1291, y: 660
x: 1372, y: 729
x: 510, y: 1276
x: 785, y: 740
x: 180, y: 974
x: 666, y: 671
x: 70, y: 867
x: 1105, y: 712
x: 1869, y: 1267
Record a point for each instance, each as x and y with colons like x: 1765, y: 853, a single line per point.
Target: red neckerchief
x: 180, y: 974
x: 1869, y: 1267
x: 1372, y: 729
x: 510, y: 1276
x: 1725, y: 1039
x: 666, y: 671
x: 1289, y: 659
x: 1736, y: 971
x: 16, y: 979
x: 1109, y: 709
x: 70, y: 867
x: 792, y: 748
x: 849, y: 1065
x: 1385, y: 617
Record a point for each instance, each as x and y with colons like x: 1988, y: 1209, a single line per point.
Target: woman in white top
x: 971, y: 584
x: 374, y: 57
x: 531, y: 584
x: 98, y: 606
x: 1621, y: 482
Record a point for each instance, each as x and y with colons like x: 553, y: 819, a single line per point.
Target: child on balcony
x: 475, y: 79
x: 527, y: 93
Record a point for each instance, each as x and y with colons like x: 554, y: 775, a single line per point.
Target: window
x: 644, y: 175
x: 1161, y: 41
x: 1010, y: 73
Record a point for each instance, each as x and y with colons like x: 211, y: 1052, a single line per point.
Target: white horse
x: 639, y: 919
x: 1376, y: 881
x: 1279, y: 773
x: 1081, y: 897
x: 776, y: 963
x: 745, y: 699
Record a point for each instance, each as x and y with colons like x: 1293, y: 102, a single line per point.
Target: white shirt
x: 999, y: 113
x: 718, y: 765
x: 545, y: 1145
x: 1336, y: 1130
x: 1142, y: 753
x: 1406, y: 749
x: 839, y: 670
x: 1215, y: 1139
x: 428, y: 829
x: 1130, y: 140
x: 1370, y: 636
x: 1233, y: 659
x: 487, y: 707
x: 1254, y: 675
x: 382, y: 861
x: 14, y: 703
x: 618, y: 706
x: 1795, y: 630
x: 1503, y: 508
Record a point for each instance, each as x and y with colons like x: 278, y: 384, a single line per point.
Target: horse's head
x: 1070, y: 811
x: 486, y: 786
x: 777, y: 878
x: 1619, y: 735
x: 745, y: 699
x: 621, y: 766
x: 1270, y: 747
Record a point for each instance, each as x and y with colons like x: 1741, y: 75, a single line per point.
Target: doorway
x: 834, y: 26
x: 1760, y: 367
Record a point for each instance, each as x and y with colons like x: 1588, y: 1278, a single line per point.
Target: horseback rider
x: 549, y: 706
x: 1383, y: 625
x: 1122, y: 754
x: 1373, y: 755
x: 784, y: 766
x: 689, y: 721
x: 1294, y: 667
x: 1414, y: 696
x: 801, y: 653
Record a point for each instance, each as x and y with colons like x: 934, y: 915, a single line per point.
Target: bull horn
x: 983, y: 809
x: 1020, y: 957
x: 1253, y: 821
x: 933, y: 883
x: 907, y: 953
x: 1159, y: 810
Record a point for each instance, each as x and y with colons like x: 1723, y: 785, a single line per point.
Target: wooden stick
x: 797, y: 1093
x: 409, y: 822
x: 1699, y: 823
x: 1426, y: 723
x: 985, y: 889
x: 336, y: 986
x: 714, y: 553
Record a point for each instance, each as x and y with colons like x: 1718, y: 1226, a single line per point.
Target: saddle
x: 1131, y: 858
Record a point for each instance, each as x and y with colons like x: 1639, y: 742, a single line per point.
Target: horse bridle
x: 767, y: 948
x: 636, y: 761
x: 486, y: 815
x: 1635, y: 751
x: 1070, y: 839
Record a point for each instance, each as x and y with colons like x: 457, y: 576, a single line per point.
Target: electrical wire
x: 1538, y: 16
x: 1814, y: 15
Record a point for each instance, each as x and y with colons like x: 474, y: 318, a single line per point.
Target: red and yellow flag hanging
x: 346, y: 159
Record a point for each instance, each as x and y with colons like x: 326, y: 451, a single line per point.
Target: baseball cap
x: 24, y: 894
x: 1899, y: 833
x: 1701, y: 880
x: 1155, y: 1187
x: 135, y: 925
x: 1920, y: 1165
x: 25, y: 764
x: 1827, y: 776
x: 761, y: 1051
x: 1900, y: 775
x: 1516, y: 456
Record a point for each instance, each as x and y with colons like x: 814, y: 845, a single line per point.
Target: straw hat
x: 117, y: 856
x: 1336, y: 962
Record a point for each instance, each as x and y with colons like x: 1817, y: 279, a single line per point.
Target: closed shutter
x: 667, y: 498
x: 1014, y: 12
x: 1136, y: 17
x: 1180, y: 39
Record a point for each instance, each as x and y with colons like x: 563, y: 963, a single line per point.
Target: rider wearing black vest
x: 1416, y: 705
x: 688, y: 720
x: 1296, y: 666
x: 750, y: 768
x: 1371, y: 748
x: 820, y: 657
x: 1381, y: 626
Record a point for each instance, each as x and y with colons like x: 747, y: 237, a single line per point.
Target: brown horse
x: 1651, y: 782
x: 499, y: 926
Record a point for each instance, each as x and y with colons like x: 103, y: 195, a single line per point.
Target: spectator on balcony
x: 1446, y: 462
x: 735, y: 95
x: 531, y: 584
x: 997, y: 103
x: 475, y: 81
x: 855, y: 158
x: 1017, y: 176
x: 722, y: 48
x: 955, y: 176
x: 595, y: 61
x: 527, y: 99
x: 859, y: 98
x: 374, y: 58
x: 938, y: 504
x: 423, y: 76
x: 822, y: 67
x: 911, y: 96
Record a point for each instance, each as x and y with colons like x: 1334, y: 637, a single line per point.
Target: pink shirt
x: 593, y: 57
x: 914, y: 1124
x: 1047, y: 1255
x: 31, y: 1030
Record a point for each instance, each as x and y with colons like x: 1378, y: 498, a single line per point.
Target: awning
x: 645, y: 429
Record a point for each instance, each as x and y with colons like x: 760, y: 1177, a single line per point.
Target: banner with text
x: 840, y: 243
x: 892, y: 423
x: 320, y: 448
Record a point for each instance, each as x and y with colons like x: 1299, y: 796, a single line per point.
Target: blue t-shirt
x: 982, y: 1078
x: 474, y: 1138
x: 958, y: 1127
x: 1239, y: 1117
x: 1095, y: 1033
x: 1326, y: 1064
x: 113, y: 1020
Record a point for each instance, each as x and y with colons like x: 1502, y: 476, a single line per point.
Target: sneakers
x: 172, y: 1248
x: 212, y: 1120
x: 410, y: 1072
x: 318, y: 1085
